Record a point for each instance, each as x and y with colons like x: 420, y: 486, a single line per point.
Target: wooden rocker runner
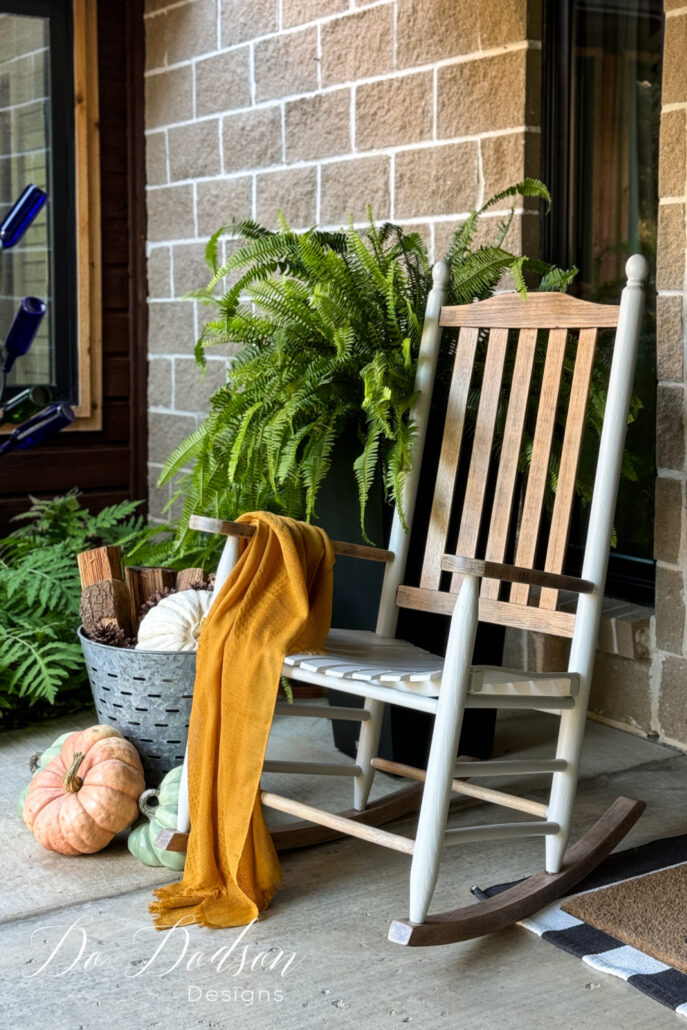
x: 468, y: 581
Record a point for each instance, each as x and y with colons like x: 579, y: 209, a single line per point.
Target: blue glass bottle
x: 38, y: 428
x: 23, y: 330
x: 21, y: 215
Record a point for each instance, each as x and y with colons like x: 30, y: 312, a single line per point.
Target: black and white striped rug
x: 600, y: 950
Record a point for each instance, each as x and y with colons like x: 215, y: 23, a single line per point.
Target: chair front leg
x: 183, y: 813
x: 368, y: 746
x: 429, y: 841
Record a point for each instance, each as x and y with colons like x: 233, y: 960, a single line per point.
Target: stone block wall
x: 669, y: 662
x: 319, y: 108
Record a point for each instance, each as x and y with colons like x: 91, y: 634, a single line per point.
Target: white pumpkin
x: 174, y: 624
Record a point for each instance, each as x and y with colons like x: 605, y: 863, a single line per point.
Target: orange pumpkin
x: 85, y: 794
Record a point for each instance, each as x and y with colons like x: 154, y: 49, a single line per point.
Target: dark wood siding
x: 110, y: 465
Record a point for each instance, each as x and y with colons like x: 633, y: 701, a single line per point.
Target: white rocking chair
x: 469, y: 588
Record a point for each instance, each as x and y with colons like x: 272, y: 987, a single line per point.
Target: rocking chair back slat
x: 510, y: 394
x: 490, y: 395
x: 570, y: 454
x: 539, y: 465
x: 504, y: 491
x: 448, y: 458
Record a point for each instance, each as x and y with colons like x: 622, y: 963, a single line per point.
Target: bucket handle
x: 146, y: 808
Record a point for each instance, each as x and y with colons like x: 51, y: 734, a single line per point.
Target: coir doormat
x: 666, y: 925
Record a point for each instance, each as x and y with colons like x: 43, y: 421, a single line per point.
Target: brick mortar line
x: 415, y: 221
x: 22, y: 103
x: 676, y: 12
x: 220, y: 116
x: 338, y: 158
x: 678, y: 105
x: 156, y: 409
x: 670, y: 201
x: 444, y: 62
x: 28, y: 53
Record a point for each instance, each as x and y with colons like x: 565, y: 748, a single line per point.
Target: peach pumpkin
x: 86, y: 794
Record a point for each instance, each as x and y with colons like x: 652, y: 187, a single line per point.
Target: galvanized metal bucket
x: 147, y: 696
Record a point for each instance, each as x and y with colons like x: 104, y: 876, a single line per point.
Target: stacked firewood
x: 115, y: 598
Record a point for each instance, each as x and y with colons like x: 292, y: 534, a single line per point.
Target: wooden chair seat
x: 387, y: 662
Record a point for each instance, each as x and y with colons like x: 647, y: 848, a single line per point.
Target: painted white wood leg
x: 183, y: 813
x: 564, y: 784
x: 228, y: 559
x: 595, y: 564
x: 431, y: 828
x: 368, y: 746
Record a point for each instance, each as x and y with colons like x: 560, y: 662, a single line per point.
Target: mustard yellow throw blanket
x: 276, y: 600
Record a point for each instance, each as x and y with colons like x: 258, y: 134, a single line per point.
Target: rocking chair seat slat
x: 361, y: 655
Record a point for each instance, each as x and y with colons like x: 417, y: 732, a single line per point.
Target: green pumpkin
x: 162, y: 816
x: 39, y: 762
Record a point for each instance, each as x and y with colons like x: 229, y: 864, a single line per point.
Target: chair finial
x: 636, y: 270
x: 441, y: 274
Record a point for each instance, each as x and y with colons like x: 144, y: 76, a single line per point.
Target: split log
x: 98, y: 564
x: 143, y: 581
x: 108, y: 602
x: 187, y: 579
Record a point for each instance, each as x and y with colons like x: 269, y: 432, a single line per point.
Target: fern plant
x: 330, y: 325
x: 41, y: 662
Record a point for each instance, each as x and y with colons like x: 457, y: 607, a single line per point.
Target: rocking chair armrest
x: 340, y: 547
x: 514, y: 574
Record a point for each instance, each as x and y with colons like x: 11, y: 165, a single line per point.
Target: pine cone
x: 111, y: 634
x: 153, y: 600
x: 199, y: 584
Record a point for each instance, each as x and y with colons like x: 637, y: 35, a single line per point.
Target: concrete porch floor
x: 324, y: 936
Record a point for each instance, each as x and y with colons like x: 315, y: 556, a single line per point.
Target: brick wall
x: 669, y: 665
x: 319, y: 107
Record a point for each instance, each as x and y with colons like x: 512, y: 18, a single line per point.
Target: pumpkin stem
x: 71, y: 782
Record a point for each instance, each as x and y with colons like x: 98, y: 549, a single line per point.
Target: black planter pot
x: 406, y: 734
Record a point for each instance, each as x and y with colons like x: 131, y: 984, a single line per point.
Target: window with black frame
x: 37, y: 146
x: 602, y: 91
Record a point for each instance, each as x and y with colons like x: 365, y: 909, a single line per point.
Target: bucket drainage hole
x: 171, y: 711
x: 174, y: 742
x: 154, y: 695
x: 162, y: 725
x: 127, y: 692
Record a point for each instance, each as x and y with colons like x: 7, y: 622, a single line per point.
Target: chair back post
x: 399, y: 540
x: 609, y: 464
